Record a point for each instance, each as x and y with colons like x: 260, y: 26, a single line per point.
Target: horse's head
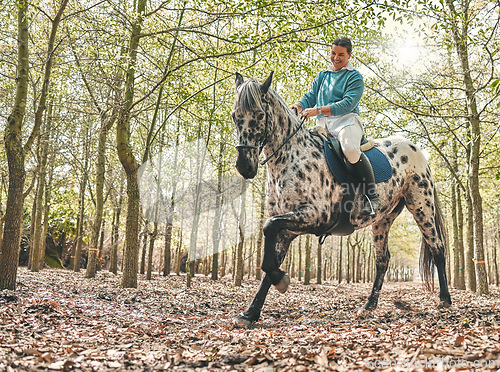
x: 251, y: 117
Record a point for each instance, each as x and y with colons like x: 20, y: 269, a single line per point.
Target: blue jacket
x: 341, y: 90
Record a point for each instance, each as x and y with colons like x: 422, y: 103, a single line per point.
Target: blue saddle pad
x: 382, y: 169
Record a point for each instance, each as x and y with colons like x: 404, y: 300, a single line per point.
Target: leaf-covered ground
x: 59, y: 320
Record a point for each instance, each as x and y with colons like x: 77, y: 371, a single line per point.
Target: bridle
x: 266, y: 136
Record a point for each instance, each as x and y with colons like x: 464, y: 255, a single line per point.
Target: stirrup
x: 372, y: 210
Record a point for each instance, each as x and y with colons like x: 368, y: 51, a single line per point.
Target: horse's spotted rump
x: 303, y: 196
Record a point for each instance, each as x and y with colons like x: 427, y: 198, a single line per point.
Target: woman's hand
x: 296, y: 106
x: 310, y: 112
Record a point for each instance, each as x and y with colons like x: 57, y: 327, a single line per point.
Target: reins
x: 263, y: 162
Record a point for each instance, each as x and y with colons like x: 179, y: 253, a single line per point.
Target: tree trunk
x: 48, y: 190
x: 170, y: 212
x: 178, y: 255
x: 319, y: 268
x: 167, y: 260
x: 101, y: 246
x: 127, y: 157
x: 460, y: 36
x: 340, y: 260
x: 454, y: 215
x: 469, y: 259
x: 241, y: 229
x: 79, y: 241
x: 32, y: 233
x: 495, y: 262
x: 224, y: 262
x: 461, y: 250
x: 15, y: 157
x: 299, y: 248
x: 348, y: 270
x: 307, y: 265
x: 73, y: 245
x: 456, y: 250
x: 200, y: 167
x: 115, y: 231
x: 94, y: 251
x: 260, y: 236
x: 38, y: 241
x: 130, y: 257
x: 145, y: 234
x: 216, y: 230
x: 151, y: 250
x: 193, y: 239
x: 113, y: 256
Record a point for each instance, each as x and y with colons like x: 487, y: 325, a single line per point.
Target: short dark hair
x: 343, y: 42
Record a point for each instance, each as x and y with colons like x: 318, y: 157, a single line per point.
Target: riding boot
x: 364, y: 172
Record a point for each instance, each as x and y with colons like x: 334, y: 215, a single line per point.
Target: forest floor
x: 59, y: 320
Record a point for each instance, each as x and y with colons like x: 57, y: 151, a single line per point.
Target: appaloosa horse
x: 304, y: 197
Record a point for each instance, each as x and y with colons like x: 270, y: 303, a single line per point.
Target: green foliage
x: 216, y: 38
x: 64, y: 211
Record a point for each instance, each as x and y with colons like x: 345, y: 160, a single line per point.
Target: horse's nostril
x: 245, y: 167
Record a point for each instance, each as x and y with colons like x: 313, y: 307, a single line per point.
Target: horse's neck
x: 287, y: 132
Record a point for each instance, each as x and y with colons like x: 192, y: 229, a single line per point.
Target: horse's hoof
x: 444, y: 304
x: 242, y: 323
x: 282, y: 286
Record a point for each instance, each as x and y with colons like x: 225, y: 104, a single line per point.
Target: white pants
x: 348, y: 130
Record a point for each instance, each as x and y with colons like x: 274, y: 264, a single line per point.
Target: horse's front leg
x: 252, y: 313
x: 277, y: 239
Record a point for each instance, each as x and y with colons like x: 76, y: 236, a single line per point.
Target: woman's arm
x: 309, y: 99
x: 350, y: 99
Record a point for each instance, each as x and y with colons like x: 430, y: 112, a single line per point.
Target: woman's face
x: 339, y: 57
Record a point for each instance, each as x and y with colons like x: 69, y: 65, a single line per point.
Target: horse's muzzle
x: 246, y: 164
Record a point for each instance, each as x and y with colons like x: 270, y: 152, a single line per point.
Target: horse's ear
x: 266, y: 84
x: 238, y: 80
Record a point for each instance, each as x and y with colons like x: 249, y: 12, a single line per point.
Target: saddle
x: 341, y: 168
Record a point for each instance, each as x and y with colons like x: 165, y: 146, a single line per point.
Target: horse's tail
x: 427, y: 255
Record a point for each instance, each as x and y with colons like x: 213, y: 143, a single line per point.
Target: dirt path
x: 59, y: 320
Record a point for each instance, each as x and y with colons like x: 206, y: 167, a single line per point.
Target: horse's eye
x: 260, y: 116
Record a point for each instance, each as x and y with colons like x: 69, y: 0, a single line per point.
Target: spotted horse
x: 303, y: 197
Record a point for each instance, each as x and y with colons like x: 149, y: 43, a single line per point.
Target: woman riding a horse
x: 304, y: 197
x: 336, y: 92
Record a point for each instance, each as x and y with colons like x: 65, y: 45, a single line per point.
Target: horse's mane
x: 249, y: 98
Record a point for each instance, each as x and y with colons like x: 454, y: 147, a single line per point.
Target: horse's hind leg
x: 422, y: 202
x: 444, y: 294
x: 380, y: 233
